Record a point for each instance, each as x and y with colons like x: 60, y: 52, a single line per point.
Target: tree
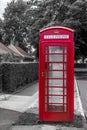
x: 77, y: 19
x: 45, y: 14
x: 14, y: 24
x: 1, y: 30
x: 23, y: 21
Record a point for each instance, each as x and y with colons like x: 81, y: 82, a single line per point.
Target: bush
x: 81, y: 65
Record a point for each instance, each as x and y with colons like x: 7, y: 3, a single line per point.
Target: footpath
x: 25, y: 117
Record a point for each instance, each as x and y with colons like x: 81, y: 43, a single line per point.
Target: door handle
x: 43, y: 74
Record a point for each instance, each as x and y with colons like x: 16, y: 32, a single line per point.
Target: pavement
x: 12, y: 106
x: 21, y: 100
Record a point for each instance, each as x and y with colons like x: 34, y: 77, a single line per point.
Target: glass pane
x: 55, y: 99
x: 53, y: 90
x: 55, y: 49
x: 58, y: 102
x: 55, y: 74
x: 54, y: 58
x: 56, y: 91
x: 55, y: 107
x: 55, y: 66
x: 54, y: 82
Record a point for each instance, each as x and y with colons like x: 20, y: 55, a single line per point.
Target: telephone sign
x: 56, y: 74
x: 56, y: 36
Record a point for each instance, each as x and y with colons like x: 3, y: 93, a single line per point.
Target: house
x: 23, y: 55
x: 7, y: 54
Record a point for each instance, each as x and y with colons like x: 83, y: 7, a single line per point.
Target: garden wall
x: 16, y: 75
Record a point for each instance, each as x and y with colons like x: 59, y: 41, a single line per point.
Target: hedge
x: 16, y: 75
x: 81, y: 65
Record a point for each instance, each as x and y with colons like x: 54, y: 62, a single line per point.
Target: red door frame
x: 57, y: 116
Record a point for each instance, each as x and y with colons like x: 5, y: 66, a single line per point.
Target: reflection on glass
x: 55, y: 99
x: 55, y: 58
x: 56, y: 107
x: 55, y: 66
x: 56, y: 91
x: 56, y: 49
x: 54, y: 82
x: 55, y: 74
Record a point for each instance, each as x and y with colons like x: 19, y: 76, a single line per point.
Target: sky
x: 3, y: 4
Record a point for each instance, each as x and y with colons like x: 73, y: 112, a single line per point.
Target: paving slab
x: 43, y: 127
x: 19, y: 103
x: 8, y: 116
x: 48, y: 127
x: 72, y: 128
x: 27, y: 127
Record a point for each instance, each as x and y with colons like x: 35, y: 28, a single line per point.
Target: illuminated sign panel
x: 63, y: 36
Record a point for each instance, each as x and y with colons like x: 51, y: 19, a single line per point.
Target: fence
x: 16, y: 75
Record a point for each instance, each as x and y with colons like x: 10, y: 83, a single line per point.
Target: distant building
x: 7, y: 54
x: 24, y: 56
x: 13, y: 54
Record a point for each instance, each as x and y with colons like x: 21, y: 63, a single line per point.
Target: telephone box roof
x: 56, y: 27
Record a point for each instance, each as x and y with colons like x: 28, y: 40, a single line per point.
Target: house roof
x: 5, y: 50
x: 19, y: 51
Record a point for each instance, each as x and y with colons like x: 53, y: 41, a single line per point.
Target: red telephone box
x: 56, y: 74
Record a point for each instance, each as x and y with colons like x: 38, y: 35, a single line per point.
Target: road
x: 82, y: 85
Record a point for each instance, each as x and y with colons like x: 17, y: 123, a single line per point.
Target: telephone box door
x: 56, y: 94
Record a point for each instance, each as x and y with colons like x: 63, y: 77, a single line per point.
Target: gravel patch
x: 31, y: 118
